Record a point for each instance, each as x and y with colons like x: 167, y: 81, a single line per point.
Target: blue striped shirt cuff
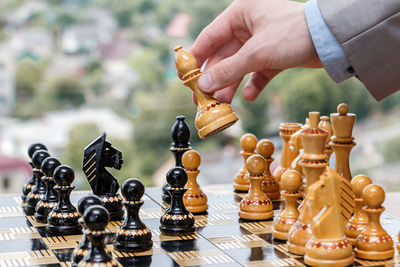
x: 328, y: 48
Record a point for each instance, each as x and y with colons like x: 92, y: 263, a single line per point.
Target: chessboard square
x: 62, y: 242
x: 203, y: 257
x: 222, y: 230
x: 14, y: 222
x: 144, y: 261
x: 186, y: 245
x: 233, y: 199
x: 15, y: 233
x: 277, y: 262
x: 63, y: 254
x: 10, y: 200
x: 212, y: 219
x: 244, y: 255
x: 11, y: 211
x: 241, y: 241
x: 21, y: 245
x: 259, y: 227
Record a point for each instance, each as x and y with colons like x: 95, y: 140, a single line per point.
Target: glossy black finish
x: 97, y: 156
x: 96, y: 219
x: 133, y: 235
x: 31, y: 182
x: 180, y: 134
x: 40, y: 188
x: 85, y: 244
x: 177, y: 220
x: 63, y: 219
x: 50, y: 199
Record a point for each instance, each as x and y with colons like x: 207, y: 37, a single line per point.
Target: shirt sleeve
x: 328, y: 48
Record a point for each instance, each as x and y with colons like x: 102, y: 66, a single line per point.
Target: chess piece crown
x: 212, y: 116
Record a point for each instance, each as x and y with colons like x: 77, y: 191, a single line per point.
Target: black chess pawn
x: 96, y: 219
x: 85, y: 245
x: 133, y: 235
x: 50, y: 198
x: 180, y: 134
x: 177, y: 220
x: 40, y: 188
x: 31, y: 182
x: 63, y: 219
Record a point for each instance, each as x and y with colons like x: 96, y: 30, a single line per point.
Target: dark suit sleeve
x: 369, y: 33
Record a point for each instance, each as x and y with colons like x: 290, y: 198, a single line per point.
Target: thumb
x: 226, y: 72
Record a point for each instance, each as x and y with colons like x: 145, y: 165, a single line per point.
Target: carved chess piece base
x: 197, y: 203
x: 329, y: 252
x: 241, y: 183
x: 218, y: 125
x: 133, y: 240
x: 176, y: 230
x: 282, y: 227
x: 114, y: 206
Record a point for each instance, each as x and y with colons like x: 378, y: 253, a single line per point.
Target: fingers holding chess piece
x: 194, y: 199
x: 85, y: 245
x: 50, y: 198
x: 96, y: 219
x: 212, y: 116
x: 270, y: 186
x: 133, y: 235
x: 177, y: 220
x: 31, y: 182
x: 358, y: 222
x: 40, y: 188
x: 63, y: 219
x: 291, y: 183
x: 248, y: 143
x: 256, y: 205
x: 374, y: 243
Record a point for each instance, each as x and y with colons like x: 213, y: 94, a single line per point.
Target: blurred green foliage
x: 390, y: 149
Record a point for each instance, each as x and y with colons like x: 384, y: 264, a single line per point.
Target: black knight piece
x: 98, y: 155
x: 84, y: 246
x: 96, y: 219
x: 50, y: 199
x: 177, y: 220
x: 40, y: 188
x: 31, y: 182
x: 63, y: 219
x: 133, y: 235
x: 180, y: 134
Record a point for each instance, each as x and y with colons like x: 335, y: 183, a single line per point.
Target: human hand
x: 262, y: 37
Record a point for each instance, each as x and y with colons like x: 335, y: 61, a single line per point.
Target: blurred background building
x: 71, y: 69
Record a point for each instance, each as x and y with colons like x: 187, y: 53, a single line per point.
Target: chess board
x: 220, y: 239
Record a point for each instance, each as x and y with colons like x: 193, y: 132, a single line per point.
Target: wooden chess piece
x: 177, y: 220
x: 332, y: 197
x: 256, y: 205
x: 180, y: 134
x: 212, y: 116
x: 291, y: 182
x: 342, y: 142
x: 31, y: 182
x: 270, y: 186
x: 84, y: 246
x: 63, y: 219
x: 359, y: 221
x: 97, y: 156
x: 194, y: 199
x: 133, y: 235
x: 40, y: 188
x: 50, y: 198
x: 313, y: 164
x: 374, y: 243
x: 325, y: 125
x: 96, y: 219
x: 248, y: 143
x: 287, y: 156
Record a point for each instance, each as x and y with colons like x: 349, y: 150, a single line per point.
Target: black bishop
x: 180, y: 134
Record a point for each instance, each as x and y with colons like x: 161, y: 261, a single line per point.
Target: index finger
x: 211, y: 38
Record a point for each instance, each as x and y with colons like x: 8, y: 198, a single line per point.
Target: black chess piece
x: 97, y: 156
x: 85, y: 245
x: 31, y: 182
x: 40, y: 188
x: 180, y: 134
x: 96, y: 219
x: 63, y: 219
x: 177, y: 220
x: 50, y: 198
x: 133, y: 235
